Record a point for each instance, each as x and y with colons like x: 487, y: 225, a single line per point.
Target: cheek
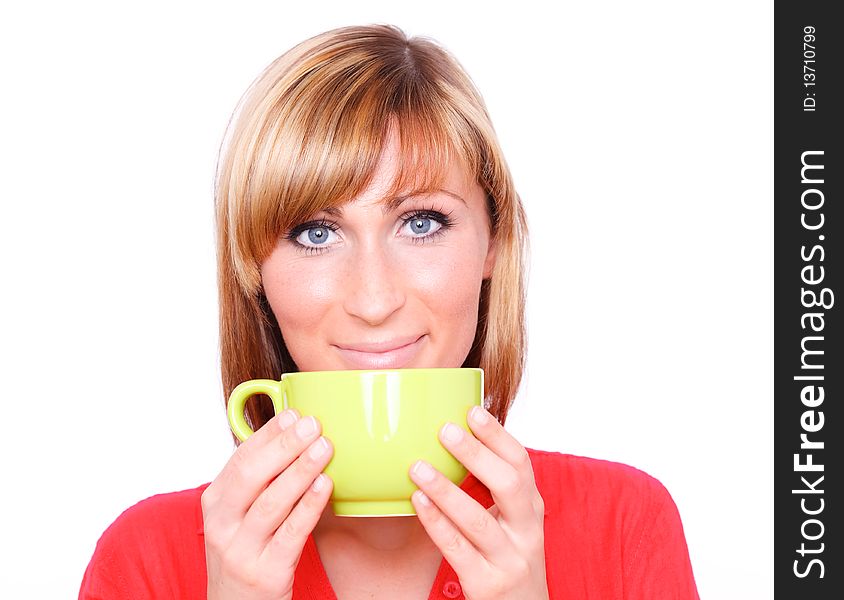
x: 450, y: 290
x: 449, y: 285
x: 297, y: 295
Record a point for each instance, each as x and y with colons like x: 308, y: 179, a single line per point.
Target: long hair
x: 307, y: 135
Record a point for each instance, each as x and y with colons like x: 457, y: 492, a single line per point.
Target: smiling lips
x: 392, y: 354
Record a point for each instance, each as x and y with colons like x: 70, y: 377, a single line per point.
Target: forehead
x: 397, y: 177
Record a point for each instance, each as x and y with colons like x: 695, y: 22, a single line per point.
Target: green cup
x: 380, y: 423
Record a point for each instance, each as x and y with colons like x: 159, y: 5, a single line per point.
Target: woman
x: 367, y: 219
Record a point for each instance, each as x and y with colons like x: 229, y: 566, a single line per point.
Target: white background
x: 640, y: 136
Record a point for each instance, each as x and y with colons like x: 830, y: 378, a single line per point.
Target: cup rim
x: 386, y: 371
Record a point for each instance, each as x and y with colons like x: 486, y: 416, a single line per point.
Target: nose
x: 374, y: 289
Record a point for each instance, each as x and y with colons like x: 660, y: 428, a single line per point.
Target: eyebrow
x: 396, y: 201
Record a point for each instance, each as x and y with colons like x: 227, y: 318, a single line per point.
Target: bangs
x: 326, y: 168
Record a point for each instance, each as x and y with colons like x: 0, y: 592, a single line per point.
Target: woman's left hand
x: 496, y: 553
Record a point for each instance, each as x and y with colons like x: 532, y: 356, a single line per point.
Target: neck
x: 382, y: 534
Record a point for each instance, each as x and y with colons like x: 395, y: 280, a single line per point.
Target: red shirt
x: 611, y: 532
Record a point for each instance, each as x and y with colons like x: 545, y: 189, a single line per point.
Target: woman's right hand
x: 262, y: 506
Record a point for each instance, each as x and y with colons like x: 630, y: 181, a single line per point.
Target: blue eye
x: 315, y: 235
x: 426, y: 225
x: 420, y: 224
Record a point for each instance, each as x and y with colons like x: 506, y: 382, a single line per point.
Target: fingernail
x: 423, y: 471
x: 452, y: 433
x: 318, y: 483
x: 319, y: 448
x: 305, y: 427
x: 479, y: 415
x: 287, y: 418
x: 422, y: 498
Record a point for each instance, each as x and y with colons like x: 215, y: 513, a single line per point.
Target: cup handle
x: 237, y: 402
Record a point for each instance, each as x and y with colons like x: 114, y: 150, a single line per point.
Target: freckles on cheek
x: 451, y: 287
x: 449, y: 291
x: 297, y: 294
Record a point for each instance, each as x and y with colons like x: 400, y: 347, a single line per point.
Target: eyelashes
x: 321, y: 225
x: 322, y: 229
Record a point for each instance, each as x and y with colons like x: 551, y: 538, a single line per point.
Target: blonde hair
x: 307, y: 135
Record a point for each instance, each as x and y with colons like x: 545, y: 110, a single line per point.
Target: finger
x: 285, y: 546
x: 253, y: 466
x: 487, y: 429
x: 470, y: 518
x: 276, y: 502
x: 512, y: 486
x: 271, y: 429
x: 455, y: 548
